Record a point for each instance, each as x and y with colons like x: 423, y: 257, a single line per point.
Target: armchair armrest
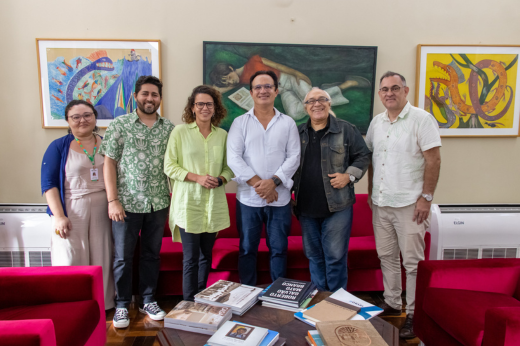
x: 43, y: 285
x: 502, y: 327
x: 27, y: 333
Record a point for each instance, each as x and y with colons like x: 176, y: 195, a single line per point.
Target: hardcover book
x: 197, y: 317
x: 226, y: 293
x: 288, y: 292
x: 236, y: 333
x: 349, y: 333
x: 331, y: 309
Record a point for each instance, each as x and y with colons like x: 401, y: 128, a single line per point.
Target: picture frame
x: 102, y: 72
x: 471, y: 90
x: 347, y: 72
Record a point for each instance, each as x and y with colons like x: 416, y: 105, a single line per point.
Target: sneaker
x: 388, y: 310
x: 154, y: 311
x: 406, y: 331
x: 121, y: 319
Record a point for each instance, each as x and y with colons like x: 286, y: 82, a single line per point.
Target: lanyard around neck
x: 91, y: 158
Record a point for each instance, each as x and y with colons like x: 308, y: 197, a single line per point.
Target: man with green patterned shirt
x: 138, y: 196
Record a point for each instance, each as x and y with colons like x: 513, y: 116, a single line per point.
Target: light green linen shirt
x: 139, y: 152
x: 193, y: 207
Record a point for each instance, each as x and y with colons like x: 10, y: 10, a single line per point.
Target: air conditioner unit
x: 25, y: 235
x: 475, y: 231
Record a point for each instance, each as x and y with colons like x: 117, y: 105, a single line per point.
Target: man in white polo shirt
x: 263, y: 150
x: 406, y: 160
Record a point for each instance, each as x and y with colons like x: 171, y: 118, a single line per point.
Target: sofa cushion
x: 362, y: 253
x: 225, y: 254
x: 171, y: 255
x: 362, y: 219
x: 73, y: 322
x: 461, y: 313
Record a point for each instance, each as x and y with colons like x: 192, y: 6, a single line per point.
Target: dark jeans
x: 126, y: 235
x: 325, y: 243
x: 250, y: 221
x: 196, y: 261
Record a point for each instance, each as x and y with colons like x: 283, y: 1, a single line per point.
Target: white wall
x: 474, y: 170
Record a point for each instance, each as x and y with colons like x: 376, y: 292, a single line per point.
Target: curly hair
x: 220, y: 111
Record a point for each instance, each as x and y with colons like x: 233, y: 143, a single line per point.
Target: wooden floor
x: 142, y: 329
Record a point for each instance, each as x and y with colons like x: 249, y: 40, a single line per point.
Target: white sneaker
x: 121, y: 319
x: 154, y: 311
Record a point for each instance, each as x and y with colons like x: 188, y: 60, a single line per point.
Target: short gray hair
x: 391, y: 74
x: 326, y: 93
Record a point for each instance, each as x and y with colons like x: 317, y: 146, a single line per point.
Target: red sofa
x: 469, y: 302
x: 50, y: 306
x: 363, y: 263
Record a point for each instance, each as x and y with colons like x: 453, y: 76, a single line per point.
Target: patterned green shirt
x: 139, y: 152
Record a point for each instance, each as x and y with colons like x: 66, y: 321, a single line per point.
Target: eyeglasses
x: 321, y: 100
x: 265, y: 86
x: 200, y: 105
x: 77, y: 118
x: 395, y: 89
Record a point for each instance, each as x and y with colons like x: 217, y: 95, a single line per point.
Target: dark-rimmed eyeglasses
x: 267, y: 87
x: 200, y: 105
x: 395, y: 89
x: 321, y: 100
x: 77, y: 118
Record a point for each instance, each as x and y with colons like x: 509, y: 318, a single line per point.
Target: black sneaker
x: 388, y: 310
x: 121, y: 319
x: 154, y: 311
x: 406, y: 331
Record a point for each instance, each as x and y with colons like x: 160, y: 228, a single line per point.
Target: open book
x: 243, y: 98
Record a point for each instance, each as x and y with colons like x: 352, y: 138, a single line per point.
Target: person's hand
x: 63, y: 225
x: 300, y: 76
x: 116, y: 211
x: 422, y: 210
x: 272, y: 197
x: 339, y: 180
x: 207, y: 181
x: 369, y: 201
x: 264, y: 188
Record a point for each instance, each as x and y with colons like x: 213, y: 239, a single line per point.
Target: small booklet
x: 242, y: 98
x: 340, y: 333
x: 236, y: 333
x: 331, y: 309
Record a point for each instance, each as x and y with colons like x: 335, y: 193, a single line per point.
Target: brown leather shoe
x: 406, y: 331
x: 388, y: 310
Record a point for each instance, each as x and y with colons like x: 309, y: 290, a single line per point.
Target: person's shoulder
x: 220, y: 130
x: 345, y: 124
x: 419, y: 112
x: 167, y: 122
x: 59, y: 142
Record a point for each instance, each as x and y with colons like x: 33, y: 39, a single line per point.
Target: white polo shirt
x: 398, y: 159
x: 253, y: 150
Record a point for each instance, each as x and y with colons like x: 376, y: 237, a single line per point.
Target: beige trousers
x: 395, y: 233
x: 89, y: 242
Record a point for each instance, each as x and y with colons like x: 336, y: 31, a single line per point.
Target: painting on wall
x: 101, y: 72
x: 347, y: 73
x: 470, y: 90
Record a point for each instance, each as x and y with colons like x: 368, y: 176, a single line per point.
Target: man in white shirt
x: 406, y: 159
x: 263, y: 150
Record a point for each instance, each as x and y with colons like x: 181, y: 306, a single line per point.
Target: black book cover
x: 289, y: 291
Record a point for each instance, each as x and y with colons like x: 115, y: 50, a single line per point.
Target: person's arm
x: 61, y: 222
x: 285, y: 69
x: 235, y: 147
x: 227, y: 174
x: 116, y: 212
x: 431, y: 176
x: 370, y: 179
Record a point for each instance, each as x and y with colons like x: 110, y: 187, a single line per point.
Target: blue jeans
x: 196, y: 261
x: 126, y: 235
x: 325, y: 243
x: 250, y: 221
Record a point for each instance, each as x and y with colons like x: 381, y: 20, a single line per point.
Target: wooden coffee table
x: 282, y: 321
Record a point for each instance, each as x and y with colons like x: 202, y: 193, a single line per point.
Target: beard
x: 147, y: 108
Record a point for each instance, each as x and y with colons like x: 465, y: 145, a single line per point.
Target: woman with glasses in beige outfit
x: 72, y: 181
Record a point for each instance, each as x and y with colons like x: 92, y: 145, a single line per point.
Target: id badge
x: 94, y: 176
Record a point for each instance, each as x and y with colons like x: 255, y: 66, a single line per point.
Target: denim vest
x: 343, y: 150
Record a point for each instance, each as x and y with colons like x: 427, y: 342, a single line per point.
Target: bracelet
x: 117, y: 199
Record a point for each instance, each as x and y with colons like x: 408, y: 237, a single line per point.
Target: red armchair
x: 468, y: 302
x: 47, y: 306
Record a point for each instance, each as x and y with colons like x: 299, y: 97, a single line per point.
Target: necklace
x: 91, y: 158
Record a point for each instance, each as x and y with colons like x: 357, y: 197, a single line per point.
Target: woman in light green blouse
x: 196, y: 162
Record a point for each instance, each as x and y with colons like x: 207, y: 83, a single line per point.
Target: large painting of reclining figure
x: 347, y: 73
x: 470, y: 90
x: 101, y: 72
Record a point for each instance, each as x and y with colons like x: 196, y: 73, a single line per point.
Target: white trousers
x: 89, y: 242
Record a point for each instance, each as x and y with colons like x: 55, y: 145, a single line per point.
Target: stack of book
x: 341, y: 305
x: 239, y: 298
x: 286, y: 294
x: 238, y: 333
x: 197, y: 317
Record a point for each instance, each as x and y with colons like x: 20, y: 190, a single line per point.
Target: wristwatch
x: 220, y: 182
x: 352, y: 178
x: 427, y: 197
x: 277, y: 181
